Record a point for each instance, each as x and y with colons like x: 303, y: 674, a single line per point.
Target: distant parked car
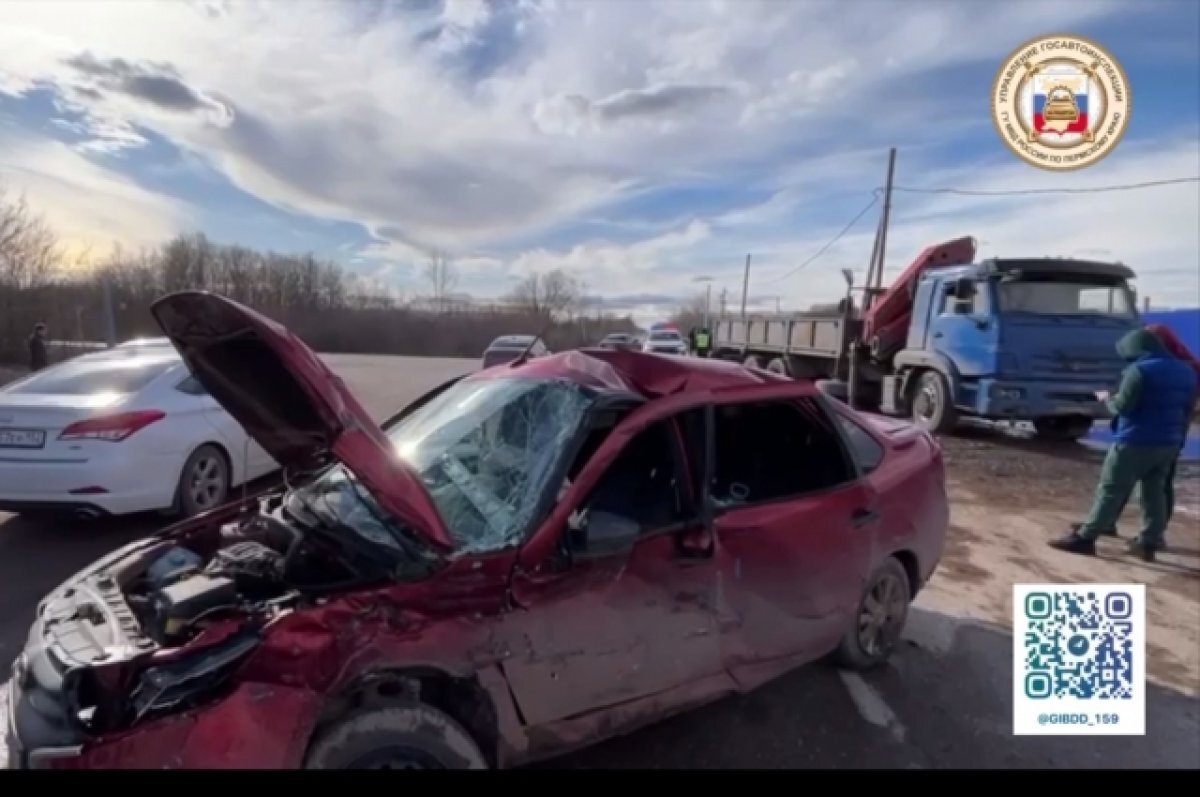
x: 120, y: 431
x: 619, y: 340
x: 507, y: 348
x: 665, y: 341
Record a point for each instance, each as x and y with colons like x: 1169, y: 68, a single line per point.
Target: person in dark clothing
x: 1153, y: 407
x: 37, y: 348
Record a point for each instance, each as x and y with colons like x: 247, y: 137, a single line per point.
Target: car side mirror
x: 597, y: 535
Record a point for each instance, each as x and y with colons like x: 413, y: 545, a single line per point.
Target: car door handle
x: 937, y: 334
x: 863, y: 516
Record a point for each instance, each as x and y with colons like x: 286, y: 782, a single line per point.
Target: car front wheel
x: 879, y: 620
x: 402, y: 737
x: 204, y: 482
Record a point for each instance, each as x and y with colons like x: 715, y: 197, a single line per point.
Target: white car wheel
x: 204, y: 483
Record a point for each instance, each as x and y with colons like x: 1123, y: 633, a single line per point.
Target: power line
x: 874, y: 200
x: 1028, y: 191
x: 969, y: 192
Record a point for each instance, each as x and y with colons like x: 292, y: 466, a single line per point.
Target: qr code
x: 1079, y: 644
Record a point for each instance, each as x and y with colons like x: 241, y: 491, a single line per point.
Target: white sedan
x: 665, y: 341
x: 120, y: 431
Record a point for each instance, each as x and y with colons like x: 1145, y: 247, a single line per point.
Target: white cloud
x: 1153, y: 231
x: 89, y: 206
x: 474, y: 127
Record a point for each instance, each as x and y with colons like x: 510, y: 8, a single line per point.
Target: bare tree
x: 554, y: 293
x: 29, y: 249
x: 440, y: 275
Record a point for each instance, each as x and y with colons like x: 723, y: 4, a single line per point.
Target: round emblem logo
x: 1061, y: 102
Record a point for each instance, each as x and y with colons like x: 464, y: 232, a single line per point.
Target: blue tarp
x: 1184, y: 323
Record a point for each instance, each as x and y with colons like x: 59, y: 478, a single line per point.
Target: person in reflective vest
x: 703, y: 342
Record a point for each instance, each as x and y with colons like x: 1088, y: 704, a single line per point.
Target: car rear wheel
x: 879, y: 620
x: 204, y: 482
x: 403, y: 737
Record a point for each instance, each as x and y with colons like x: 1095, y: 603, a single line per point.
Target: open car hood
x: 291, y: 403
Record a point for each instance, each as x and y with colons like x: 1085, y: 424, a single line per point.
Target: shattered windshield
x: 486, y: 450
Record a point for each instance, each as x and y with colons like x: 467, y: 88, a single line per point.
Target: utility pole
x: 887, y: 212
x: 707, y: 299
x: 723, y: 299
x: 745, y: 286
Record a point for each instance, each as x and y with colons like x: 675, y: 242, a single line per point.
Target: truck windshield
x: 1055, y: 297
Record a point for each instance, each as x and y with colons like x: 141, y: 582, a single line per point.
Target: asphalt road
x: 944, y: 702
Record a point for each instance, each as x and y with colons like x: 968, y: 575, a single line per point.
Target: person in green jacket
x: 1153, y: 408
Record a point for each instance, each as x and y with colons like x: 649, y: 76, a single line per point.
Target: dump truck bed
x: 799, y: 334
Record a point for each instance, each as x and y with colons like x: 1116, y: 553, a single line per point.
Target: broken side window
x: 768, y: 451
x: 642, y: 485
x: 867, y: 451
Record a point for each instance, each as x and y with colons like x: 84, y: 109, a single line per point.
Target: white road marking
x: 871, y: 706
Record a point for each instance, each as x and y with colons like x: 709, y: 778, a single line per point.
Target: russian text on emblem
x: 1061, y: 102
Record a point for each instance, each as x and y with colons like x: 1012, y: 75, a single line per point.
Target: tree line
x: 329, y: 307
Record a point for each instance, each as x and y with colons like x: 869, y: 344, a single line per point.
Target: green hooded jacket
x: 1134, y: 344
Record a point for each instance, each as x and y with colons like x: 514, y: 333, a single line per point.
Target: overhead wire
x: 874, y: 201
x: 878, y: 192
x: 1100, y: 189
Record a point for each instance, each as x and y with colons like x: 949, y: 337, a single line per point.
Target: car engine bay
x: 126, y: 641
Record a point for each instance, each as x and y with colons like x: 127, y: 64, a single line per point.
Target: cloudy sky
x: 638, y: 144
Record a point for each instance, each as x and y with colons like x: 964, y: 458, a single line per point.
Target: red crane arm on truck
x: 890, y: 313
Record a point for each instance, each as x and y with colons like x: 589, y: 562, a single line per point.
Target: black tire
x: 932, y: 406
x: 1065, y: 429
x: 752, y: 361
x: 203, y: 482
x: 403, y: 737
x: 778, y: 366
x: 873, y: 636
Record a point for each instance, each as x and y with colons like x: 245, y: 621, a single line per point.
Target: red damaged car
x: 524, y: 561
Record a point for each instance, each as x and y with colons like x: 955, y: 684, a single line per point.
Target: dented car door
x: 625, y: 614
x: 793, y: 525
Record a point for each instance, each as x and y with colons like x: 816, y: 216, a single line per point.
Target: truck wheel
x: 1068, y: 429
x: 752, y: 362
x: 402, y: 737
x: 932, y: 408
x: 778, y: 366
x: 879, y: 619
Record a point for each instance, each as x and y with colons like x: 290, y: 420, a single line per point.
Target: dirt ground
x: 1010, y: 495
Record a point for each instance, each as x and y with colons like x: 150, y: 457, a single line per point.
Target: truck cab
x: 1015, y: 339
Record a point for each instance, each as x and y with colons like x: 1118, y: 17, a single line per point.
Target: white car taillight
x: 112, y: 428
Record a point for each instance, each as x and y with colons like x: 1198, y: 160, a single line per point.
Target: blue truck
x: 1002, y: 339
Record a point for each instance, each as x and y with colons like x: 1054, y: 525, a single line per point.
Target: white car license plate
x: 22, y: 438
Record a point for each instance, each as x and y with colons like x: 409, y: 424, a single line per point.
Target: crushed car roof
x: 641, y: 373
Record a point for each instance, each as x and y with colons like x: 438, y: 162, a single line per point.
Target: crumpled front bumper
x: 256, y: 726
